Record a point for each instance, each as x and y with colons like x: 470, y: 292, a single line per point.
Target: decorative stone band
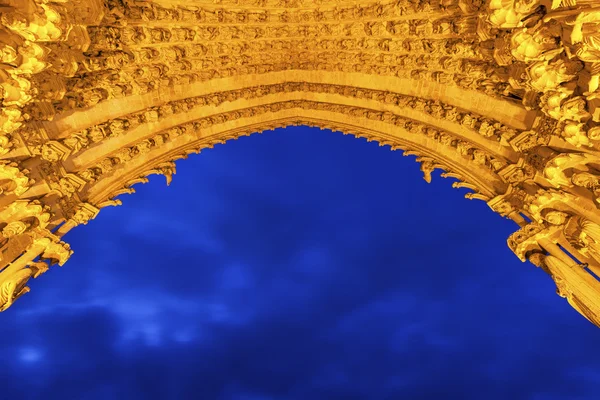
x: 503, y: 95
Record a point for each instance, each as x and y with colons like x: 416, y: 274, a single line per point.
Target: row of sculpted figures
x: 41, y: 41
x: 543, y: 54
x: 552, y: 48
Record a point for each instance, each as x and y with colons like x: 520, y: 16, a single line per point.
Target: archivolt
x: 476, y: 174
x: 452, y: 138
x: 139, y: 129
x: 504, y: 98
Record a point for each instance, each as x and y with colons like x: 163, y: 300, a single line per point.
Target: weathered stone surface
x: 501, y: 95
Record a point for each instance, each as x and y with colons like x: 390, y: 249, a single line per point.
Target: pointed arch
x: 97, y: 94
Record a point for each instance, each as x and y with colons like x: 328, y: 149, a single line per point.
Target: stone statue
x: 501, y: 94
x: 540, y: 43
x: 511, y: 13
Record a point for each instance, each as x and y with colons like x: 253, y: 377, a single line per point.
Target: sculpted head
x: 594, y: 133
x: 555, y: 217
x: 536, y: 258
x: 584, y: 179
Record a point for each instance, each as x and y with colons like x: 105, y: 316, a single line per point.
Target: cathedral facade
x: 502, y: 95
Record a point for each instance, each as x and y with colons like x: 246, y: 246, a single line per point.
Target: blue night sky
x: 297, y: 264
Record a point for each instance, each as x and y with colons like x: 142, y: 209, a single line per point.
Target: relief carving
x: 104, y: 81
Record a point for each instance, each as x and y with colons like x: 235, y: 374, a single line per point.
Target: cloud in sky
x: 292, y: 265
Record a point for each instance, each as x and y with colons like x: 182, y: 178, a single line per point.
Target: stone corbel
x: 167, y: 169
x: 526, y: 240
x: 428, y: 165
x: 57, y: 251
x: 543, y: 236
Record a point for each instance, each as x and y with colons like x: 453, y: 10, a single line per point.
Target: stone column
x: 573, y: 282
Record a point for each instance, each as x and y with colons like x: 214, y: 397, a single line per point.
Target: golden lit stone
x: 501, y: 95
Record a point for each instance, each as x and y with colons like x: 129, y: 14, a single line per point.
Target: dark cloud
x: 295, y: 265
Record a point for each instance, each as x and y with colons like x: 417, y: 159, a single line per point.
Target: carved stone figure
x: 540, y: 43
x: 12, y: 286
x: 503, y: 95
x: 511, y: 13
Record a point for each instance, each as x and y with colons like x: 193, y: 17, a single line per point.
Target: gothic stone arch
x: 502, y: 95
